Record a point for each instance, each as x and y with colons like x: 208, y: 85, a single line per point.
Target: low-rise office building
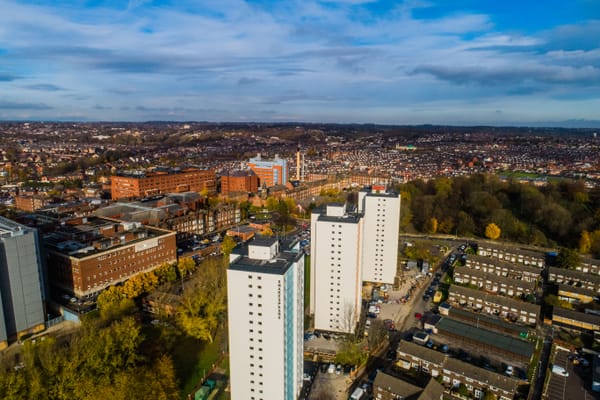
x: 504, y: 307
x: 86, y: 255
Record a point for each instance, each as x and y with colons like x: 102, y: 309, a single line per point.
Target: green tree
x: 567, y: 258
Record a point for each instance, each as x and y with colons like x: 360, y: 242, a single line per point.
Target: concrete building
x: 86, y: 255
x: 22, y: 282
x: 270, y: 172
x: 239, y: 181
x: 381, y: 211
x: 336, y: 268
x: 136, y: 184
x: 265, y: 311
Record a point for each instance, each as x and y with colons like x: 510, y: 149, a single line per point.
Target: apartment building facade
x: 336, y: 268
x: 571, y: 277
x: 504, y: 307
x: 381, y: 211
x: 513, y: 254
x: 265, y: 311
x: 499, y: 267
x: 493, y: 283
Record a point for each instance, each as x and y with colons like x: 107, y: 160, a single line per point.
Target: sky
x: 460, y: 62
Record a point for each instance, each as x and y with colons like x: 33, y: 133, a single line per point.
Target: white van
x: 357, y: 394
x: 557, y: 369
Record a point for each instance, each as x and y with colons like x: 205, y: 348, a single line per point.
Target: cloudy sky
x: 368, y: 61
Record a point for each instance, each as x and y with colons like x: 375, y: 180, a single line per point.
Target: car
x: 444, y: 348
x: 338, y: 369
x: 557, y: 369
x: 429, y: 343
x: 331, y: 369
x: 509, y: 370
x: 306, y: 377
x: 418, y: 315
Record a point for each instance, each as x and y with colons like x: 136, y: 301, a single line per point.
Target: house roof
x: 395, y: 385
x: 508, y: 384
x: 492, y: 298
x: 422, y: 352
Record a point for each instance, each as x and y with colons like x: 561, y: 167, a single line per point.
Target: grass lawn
x: 193, y: 359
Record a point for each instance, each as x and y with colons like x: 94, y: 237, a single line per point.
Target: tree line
x: 563, y: 213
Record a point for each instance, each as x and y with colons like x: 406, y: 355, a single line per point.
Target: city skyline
x: 347, y: 61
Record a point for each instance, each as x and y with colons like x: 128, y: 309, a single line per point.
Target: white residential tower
x: 265, y: 310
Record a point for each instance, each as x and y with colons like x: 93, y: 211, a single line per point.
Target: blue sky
x: 392, y: 62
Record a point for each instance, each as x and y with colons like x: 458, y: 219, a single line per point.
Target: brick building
x: 32, y: 202
x: 239, y: 181
x: 136, y: 184
x: 270, y: 172
x: 86, y: 255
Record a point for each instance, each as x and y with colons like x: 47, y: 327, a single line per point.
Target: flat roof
x: 486, y: 336
x: 489, y: 321
x: 276, y: 266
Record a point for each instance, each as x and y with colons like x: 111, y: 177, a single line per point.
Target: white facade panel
x: 336, y: 273
x: 265, y: 312
x: 380, y: 244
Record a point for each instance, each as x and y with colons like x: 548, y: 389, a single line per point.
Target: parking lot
x: 575, y: 383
